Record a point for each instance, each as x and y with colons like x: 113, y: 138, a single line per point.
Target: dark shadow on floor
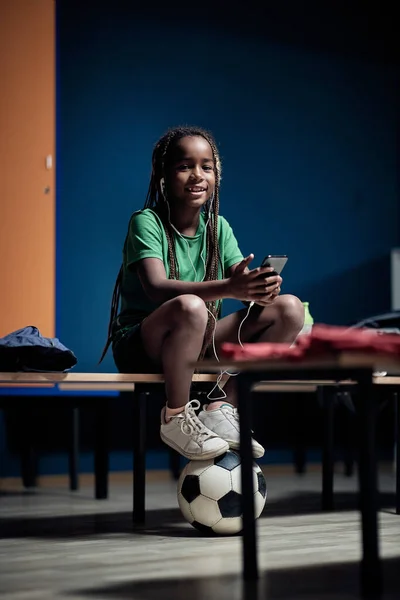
x: 17, y: 494
x: 338, y: 581
x: 47, y: 493
x: 168, y: 522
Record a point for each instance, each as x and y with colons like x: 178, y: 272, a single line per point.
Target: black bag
x: 27, y: 350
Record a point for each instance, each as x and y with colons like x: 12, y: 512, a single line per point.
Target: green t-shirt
x: 146, y: 239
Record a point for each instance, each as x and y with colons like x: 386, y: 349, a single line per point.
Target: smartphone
x: 277, y: 261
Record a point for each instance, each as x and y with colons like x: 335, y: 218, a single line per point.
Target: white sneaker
x: 188, y: 436
x: 224, y: 421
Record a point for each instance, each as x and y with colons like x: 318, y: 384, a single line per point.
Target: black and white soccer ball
x: 209, y: 494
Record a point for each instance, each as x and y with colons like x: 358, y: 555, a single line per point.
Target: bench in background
x: 140, y: 385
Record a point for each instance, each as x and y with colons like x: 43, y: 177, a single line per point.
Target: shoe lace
x: 235, y: 414
x: 190, y: 423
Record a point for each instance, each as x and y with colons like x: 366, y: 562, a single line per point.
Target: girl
x: 180, y: 260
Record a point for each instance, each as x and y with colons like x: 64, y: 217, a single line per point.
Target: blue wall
x: 308, y: 147
x: 307, y: 136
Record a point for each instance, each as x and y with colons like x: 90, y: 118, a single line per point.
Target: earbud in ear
x: 162, y: 186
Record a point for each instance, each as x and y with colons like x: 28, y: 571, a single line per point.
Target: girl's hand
x: 255, y: 285
x: 271, y: 297
x: 273, y: 291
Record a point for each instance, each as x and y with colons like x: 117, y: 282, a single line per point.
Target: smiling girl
x: 180, y: 260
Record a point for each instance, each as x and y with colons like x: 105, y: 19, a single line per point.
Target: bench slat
x: 126, y: 381
x: 284, y: 386
x: 96, y: 387
x: 22, y: 377
x: 95, y: 378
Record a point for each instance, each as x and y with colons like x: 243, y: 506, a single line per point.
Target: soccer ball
x: 209, y: 494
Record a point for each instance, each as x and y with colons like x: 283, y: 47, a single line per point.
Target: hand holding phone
x: 277, y: 263
x: 251, y: 286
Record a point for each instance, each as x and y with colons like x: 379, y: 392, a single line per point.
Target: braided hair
x: 155, y: 199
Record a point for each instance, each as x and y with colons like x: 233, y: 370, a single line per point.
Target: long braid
x: 212, y: 262
x: 113, y: 312
x: 155, y: 198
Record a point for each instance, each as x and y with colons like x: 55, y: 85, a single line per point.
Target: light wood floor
x: 56, y: 544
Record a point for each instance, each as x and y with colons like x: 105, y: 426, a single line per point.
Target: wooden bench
x: 140, y: 385
x: 328, y: 393
x: 135, y: 384
x: 343, y: 368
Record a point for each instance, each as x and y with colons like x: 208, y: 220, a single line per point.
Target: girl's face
x: 191, y: 172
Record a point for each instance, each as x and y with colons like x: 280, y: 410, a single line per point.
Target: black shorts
x: 129, y: 353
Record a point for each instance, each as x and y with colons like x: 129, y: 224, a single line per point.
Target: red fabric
x: 324, y: 340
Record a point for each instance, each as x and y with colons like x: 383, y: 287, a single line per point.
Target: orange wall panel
x: 27, y: 187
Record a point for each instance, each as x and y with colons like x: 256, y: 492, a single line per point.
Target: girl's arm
x: 159, y: 289
x: 241, y: 285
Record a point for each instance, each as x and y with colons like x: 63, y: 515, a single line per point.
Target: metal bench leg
x: 28, y: 454
x: 249, y: 536
x: 74, y: 451
x: 349, y: 430
x: 371, y: 566
x: 327, y: 400
x: 397, y: 465
x: 139, y: 455
x: 174, y: 463
x: 101, y: 450
x: 299, y: 450
x: 28, y: 466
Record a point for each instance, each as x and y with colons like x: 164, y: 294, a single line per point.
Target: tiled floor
x: 57, y: 544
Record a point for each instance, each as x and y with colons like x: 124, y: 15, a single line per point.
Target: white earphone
x: 162, y: 187
x: 222, y: 372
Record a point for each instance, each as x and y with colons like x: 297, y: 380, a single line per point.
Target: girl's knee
x: 291, y: 310
x: 190, y: 309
